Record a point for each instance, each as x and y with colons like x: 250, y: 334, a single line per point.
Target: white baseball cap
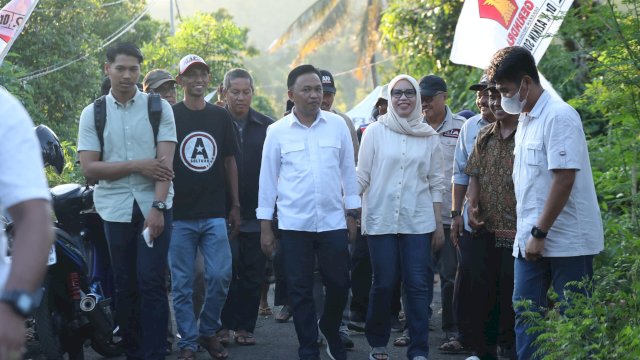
x: 191, y: 60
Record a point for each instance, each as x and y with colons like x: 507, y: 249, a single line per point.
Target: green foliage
x: 214, y: 37
x: 420, y: 33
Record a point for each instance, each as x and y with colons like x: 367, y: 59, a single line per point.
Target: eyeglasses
x: 428, y: 99
x: 409, y: 93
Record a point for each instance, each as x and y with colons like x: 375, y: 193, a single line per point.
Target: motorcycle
x: 76, y: 306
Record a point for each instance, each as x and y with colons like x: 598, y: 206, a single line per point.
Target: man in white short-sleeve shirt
x: 24, y: 193
x: 559, y: 228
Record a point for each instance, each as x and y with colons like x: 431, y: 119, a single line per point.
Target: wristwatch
x: 537, y: 233
x: 455, y: 213
x: 22, y: 302
x: 160, y: 205
x: 353, y: 213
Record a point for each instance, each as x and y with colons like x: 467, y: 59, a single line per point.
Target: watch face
x: 24, y: 302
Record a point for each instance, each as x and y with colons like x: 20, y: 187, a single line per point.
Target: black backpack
x: 154, y: 108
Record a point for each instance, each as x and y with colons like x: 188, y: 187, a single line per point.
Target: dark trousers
x: 280, y: 296
x: 142, y: 308
x: 240, y: 311
x: 445, y: 262
x: 498, y: 314
x: 468, y: 287
x: 300, y: 250
x: 360, y: 276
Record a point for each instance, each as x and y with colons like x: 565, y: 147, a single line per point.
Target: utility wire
x: 80, y: 7
x: 106, y: 42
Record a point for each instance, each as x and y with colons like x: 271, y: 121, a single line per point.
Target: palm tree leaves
x: 331, y: 25
x: 313, y: 14
x: 368, y: 36
x: 324, y: 20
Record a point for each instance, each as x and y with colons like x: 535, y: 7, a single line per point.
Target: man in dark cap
x: 469, y: 266
x: 160, y: 82
x: 433, y: 92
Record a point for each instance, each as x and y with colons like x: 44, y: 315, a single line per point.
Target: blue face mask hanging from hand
x: 513, y: 105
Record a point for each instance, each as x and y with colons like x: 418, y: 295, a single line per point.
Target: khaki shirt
x: 128, y: 136
x: 449, y: 131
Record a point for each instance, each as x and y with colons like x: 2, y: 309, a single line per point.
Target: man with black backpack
x: 126, y: 142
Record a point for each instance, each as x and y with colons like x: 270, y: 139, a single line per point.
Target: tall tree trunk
x: 374, y: 72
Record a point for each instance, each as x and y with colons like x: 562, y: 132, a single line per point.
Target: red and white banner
x: 486, y: 26
x: 13, y: 16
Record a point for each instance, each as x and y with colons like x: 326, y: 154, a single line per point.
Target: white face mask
x: 513, y: 105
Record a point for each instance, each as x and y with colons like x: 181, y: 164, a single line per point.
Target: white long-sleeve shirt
x: 400, y: 177
x: 307, y: 171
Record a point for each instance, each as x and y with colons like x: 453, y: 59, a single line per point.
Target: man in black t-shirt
x: 205, y: 174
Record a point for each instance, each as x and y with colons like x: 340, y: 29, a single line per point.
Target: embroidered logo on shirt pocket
x: 534, y: 153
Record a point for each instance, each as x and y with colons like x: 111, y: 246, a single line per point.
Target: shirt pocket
x: 329, y: 151
x: 292, y: 154
x: 534, y: 153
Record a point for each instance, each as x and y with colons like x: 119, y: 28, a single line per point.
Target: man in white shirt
x: 25, y: 195
x: 308, y: 170
x: 559, y: 228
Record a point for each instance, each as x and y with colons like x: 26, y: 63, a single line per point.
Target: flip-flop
x: 223, y: 337
x: 283, y: 315
x: 453, y: 347
x: 213, y: 347
x: 266, y: 311
x: 402, y: 341
x: 245, y: 339
x: 186, y: 354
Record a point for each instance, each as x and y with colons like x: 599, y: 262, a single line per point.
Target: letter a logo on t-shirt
x: 198, y: 151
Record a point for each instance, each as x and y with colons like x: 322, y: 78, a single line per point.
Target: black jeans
x: 300, y: 250
x: 142, y: 308
x: 240, y: 311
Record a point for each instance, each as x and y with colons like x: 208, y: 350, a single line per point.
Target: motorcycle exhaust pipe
x: 88, y: 302
x: 100, y: 317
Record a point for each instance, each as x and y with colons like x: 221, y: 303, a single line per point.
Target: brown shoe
x: 213, y: 347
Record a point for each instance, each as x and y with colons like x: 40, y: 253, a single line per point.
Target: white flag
x: 486, y: 26
x: 13, y: 16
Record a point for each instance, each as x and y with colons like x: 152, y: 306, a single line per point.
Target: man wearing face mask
x: 559, y: 229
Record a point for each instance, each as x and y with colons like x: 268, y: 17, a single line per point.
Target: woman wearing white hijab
x: 401, y: 179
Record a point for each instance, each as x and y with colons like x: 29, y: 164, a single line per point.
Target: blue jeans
x: 142, y: 307
x: 299, y: 251
x: 210, y: 236
x: 532, y: 280
x: 392, y: 256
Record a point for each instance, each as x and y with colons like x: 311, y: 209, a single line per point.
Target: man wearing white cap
x: 206, y: 176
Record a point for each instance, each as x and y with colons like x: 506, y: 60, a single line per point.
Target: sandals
x: 453, y: 347
x: 187, y: 354
x: 265, y: 311
x: 213, y: 347
x: 284, y: 314
x: 402, y: 341
x: 245, y: 338
x: 378, y: 353
x: 223, y: 337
